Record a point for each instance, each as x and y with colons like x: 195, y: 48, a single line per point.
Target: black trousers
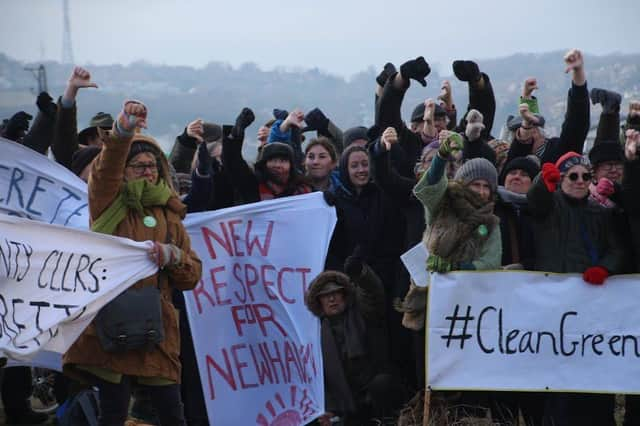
x: 579, y: 409
x: 114, y: 403
x: 16, y: 390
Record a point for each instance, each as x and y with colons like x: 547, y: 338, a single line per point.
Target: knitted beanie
x: 571, y: 159
x: 478, y: 168
x: 353, y: 134
x: 522, y: 163
x: 606, y: 151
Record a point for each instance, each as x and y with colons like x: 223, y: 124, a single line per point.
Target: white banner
x: 533, y: 331
x: 257, y: 345
x: 33, y: 186
x: 53, y: 281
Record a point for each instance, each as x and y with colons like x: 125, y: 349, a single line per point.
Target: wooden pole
x: 427, y: 407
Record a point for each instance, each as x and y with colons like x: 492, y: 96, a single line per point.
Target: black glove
x: 329, y: 198
x: 353, y: 266
x: 316, y: 120
x: 46, y: 105
x: 245, y: 118
x: 466, y: 71
x: 416, y: 69
x: 385, y: 74
x: 280, y: 114
x: 204, y: 159
x: 17, y: 126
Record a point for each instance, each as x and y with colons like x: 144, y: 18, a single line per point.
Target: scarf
x: 134, y: 195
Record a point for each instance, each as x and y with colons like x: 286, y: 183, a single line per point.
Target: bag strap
x: 88, y: 409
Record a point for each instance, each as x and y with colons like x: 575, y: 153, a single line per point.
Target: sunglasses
x: 586, y: 177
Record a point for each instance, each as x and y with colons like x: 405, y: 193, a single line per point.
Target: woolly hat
x: 521, y: 163
x: 571, y: 159
x: 353, y: 134
x: 82, y: 157
x: 276, y: 150
x: 606, y: 151
x: 418, y: 112
x: 478, y: 168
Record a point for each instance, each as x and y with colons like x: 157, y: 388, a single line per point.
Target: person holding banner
x: 462, y: 232
x: 350, y: 306
x: 130, y: 195
x: 574, y: 234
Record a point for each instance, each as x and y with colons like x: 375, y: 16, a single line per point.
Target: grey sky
x: 339, y: 36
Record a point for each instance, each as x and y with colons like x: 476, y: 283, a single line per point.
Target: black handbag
x: 131, y: 321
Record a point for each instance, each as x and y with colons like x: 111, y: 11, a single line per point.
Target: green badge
x: 483, y: 231
x: 149, y: 221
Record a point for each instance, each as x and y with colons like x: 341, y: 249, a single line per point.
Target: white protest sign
x: 415, y: 260
x: 533, y: 331
x: 53, y: 281
x: 33, y: 186
x: 257, y: 345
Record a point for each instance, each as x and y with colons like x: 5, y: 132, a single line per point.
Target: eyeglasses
x: 139, y: 168
x: 610, y: 166
x: 586, y: 177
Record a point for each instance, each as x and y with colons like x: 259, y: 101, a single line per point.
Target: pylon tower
x: 67, y: 50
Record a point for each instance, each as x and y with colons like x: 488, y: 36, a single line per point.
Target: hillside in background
x: 217, y: 92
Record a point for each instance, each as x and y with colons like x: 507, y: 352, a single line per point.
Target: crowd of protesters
x: 535, y: 202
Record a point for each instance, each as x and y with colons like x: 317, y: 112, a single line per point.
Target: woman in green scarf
x: 130, y: 195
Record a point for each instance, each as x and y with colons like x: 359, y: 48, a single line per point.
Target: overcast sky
x: 339, y: 36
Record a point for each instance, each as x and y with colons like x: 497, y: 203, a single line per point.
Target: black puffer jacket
x: 572, y: 235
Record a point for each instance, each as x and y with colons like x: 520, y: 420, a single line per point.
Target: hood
x: 321, y: 282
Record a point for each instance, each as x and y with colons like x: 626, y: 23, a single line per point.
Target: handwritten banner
x: 257, y: 345
x: 53, y: 281
x: 533, y: 331
x: 33, y: 186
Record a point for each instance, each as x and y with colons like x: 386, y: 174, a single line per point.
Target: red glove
x: 550, y: 176
x: 595, y: 275
x: 605, y: 187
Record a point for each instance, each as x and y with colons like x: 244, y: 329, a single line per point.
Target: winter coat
x: 630, y: 197
x: 572, y: 235
x: 354, y: 342
x: 65, y: 134
x: 574, y: 131
x: 515, y: 228
x: 253, y: 185
x: 40, y: 133
x: 105, y: 181
x: 405, y: 155
x: 453, y: 214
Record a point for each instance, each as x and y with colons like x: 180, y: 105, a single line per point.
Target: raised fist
x: 550, y: 176
x: 295, y: 118
x: 417, y: 69
x: 573, y: 60
x: 530, y: 85
x: 429, y: 110
x: 634, y: 109
x: 389, y: 137
x: 526, y: 114
x: 195, y: 129
x: 631, y: 144
x: 445, y: 93
x: 133, y: 116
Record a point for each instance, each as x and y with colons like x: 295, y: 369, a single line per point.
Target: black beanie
x: 418, y: 112
x: 276, y: 150
x: 82, y: 157
x: 353, y: 134
x: 521, y: 163
x: 606, y: 151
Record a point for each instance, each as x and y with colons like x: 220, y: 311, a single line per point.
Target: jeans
x: 114, y: 403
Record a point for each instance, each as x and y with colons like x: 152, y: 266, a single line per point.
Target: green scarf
x: 135, y: 195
